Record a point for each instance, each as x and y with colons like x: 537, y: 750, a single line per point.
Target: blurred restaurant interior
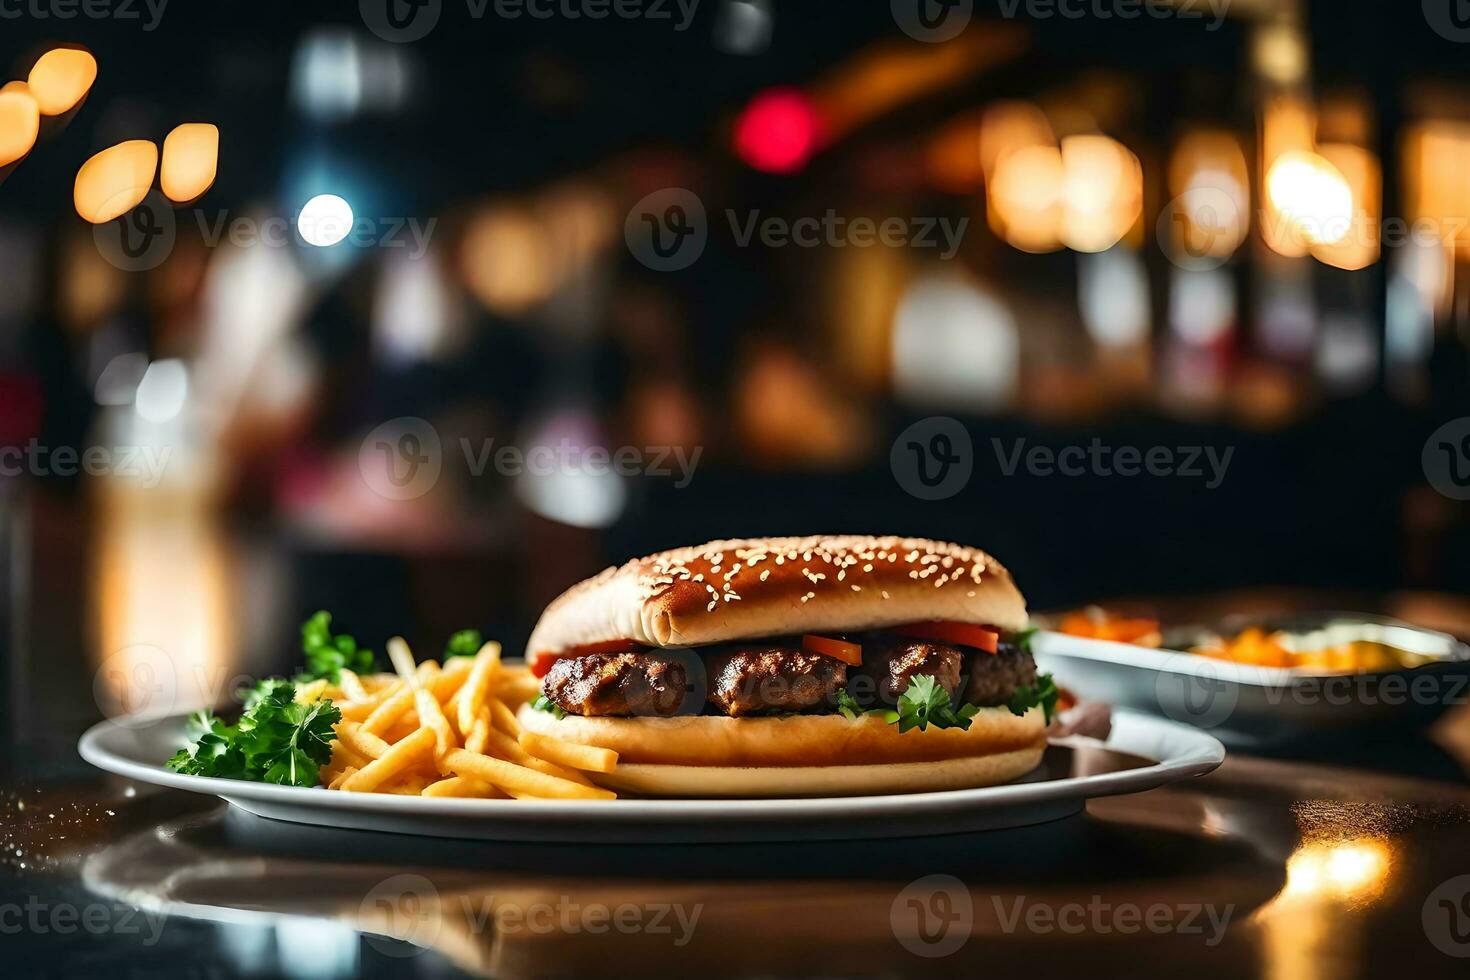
x: 1235, y: 227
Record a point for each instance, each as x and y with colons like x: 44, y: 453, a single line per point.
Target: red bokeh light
x: 777, y: 132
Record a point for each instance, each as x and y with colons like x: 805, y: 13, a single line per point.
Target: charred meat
x: 617, y: 684
x: 772, y: 679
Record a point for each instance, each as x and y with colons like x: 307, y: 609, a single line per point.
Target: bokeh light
x: 778, y: 131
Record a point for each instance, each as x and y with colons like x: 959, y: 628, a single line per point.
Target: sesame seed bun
x: 743, y: 589
x: 801, y: 755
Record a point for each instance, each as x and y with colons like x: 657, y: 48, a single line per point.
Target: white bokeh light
x: 324, y: 220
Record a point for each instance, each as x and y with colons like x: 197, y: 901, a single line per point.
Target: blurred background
x: 751, y: 251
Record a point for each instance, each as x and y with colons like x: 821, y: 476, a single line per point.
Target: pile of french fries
x: 450, y: 731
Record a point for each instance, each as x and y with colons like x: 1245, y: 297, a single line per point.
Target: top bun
x: 742, y: 589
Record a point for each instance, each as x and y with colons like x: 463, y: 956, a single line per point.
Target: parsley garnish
x: 276, y: 740
x: 543, y: 703
x: 1022, y: 638
x: 1044, y: 693
x: 327, y: 655
x: 924, y: 702
x: 465, y: 643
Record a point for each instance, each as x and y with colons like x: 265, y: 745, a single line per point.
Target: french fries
x: 450, y: 731
x: 585, y: 757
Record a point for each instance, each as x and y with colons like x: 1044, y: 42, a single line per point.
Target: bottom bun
x: 802, y: 755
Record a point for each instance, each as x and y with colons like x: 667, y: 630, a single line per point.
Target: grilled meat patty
x: 759, y: 679
x: 995, y: 677
x: 891, y: 662
x: 604, y: 685
x: 767, y: 679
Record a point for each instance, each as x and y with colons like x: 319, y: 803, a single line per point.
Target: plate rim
x: 1198, y: 753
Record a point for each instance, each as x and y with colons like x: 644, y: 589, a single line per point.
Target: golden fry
x: 479, y: 732
x: 399, y: 757
x: 351, y: 685
x: 360, y: 742
x: 502, y: 717
x: 463, y: 786
x: 472, y: 695
x: 511, y: 777
x: 509, y: 749
x: 431, y: 715
x: 394, y: 707
x: 341, y: 777
x: 588, y: 758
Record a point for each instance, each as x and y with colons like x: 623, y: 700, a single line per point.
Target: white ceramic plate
x: 1141, y: 753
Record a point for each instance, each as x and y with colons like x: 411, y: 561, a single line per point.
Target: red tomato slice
x: 948, y: 631
x: 849, y: 653
x: 545, y: 660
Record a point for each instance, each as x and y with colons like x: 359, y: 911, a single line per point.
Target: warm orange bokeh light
x: 61, y: 78
x: 1026, y: 198
x: 115, y: 181
x: 1102, y: 192
x: 1359, y: 167
x: 190, y: 161
x: 20, y: 120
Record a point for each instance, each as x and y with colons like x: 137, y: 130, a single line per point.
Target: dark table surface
x: 1344, y: 859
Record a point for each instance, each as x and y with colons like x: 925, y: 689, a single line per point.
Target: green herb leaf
x: 1043, y: 693
x: 848, y: 705
x: 276, y: 740
x: 924, y: 702
x: 543, y: 703
x: 328, y: 655
x: 465, y: 643
x: 1022, y: 638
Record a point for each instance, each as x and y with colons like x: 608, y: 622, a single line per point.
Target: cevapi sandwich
x: 796, y: 667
